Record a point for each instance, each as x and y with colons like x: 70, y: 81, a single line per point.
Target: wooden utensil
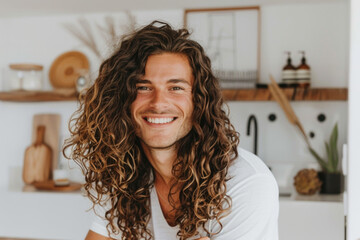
x: 37, y: 160
x: 52, y: 125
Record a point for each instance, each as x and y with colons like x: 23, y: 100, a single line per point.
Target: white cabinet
x: 44, y: 215
x: 319, y: 217
x: 49, y: 215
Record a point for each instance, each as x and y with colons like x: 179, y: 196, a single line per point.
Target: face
x: 163, y: 108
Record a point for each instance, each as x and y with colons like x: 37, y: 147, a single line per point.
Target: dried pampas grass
x: 284, y: 103
x: 84, y: 32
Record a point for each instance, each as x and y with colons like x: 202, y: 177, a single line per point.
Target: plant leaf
x: 320, y: 160
x: 333, y: 147
x: 329, y: 153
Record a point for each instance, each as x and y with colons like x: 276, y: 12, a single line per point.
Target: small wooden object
x: 38, y: 159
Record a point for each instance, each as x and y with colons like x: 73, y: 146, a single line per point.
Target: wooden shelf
x: 37, y: 96
x: 299, y: 94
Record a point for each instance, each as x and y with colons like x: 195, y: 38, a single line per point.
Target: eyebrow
x: 142, y: 81
x: 145, y: 81
x: 178, y: 81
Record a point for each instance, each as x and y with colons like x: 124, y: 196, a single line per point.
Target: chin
x: 161, y: 146
x: 159, y: 143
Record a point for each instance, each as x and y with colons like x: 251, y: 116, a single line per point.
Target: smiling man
x: 159, y: 154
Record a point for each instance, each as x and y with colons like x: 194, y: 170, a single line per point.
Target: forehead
x: 168, y: 65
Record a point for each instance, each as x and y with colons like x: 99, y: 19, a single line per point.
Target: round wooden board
x: 50, y: 186
x: 64, y: 70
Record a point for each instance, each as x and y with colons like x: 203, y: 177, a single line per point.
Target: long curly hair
x: 103, y: 140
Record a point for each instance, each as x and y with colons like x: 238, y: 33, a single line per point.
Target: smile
x: 159, y: 120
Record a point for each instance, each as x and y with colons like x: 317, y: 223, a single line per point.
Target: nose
x: 158, y: 98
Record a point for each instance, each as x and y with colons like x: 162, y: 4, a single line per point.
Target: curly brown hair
x: 104, y: 143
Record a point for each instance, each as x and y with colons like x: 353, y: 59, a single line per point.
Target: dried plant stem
x: 284, y: 103
x: 109, y: 30
x: 85, y: 35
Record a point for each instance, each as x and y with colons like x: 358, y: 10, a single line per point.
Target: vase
x: 331, y: 183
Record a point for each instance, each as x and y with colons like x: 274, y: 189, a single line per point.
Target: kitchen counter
x: 53, y: 215
x: 314, y: 198
x: 312, y: 217
x: 43, y: 215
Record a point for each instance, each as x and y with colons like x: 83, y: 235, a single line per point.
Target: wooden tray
x: 50, y: 186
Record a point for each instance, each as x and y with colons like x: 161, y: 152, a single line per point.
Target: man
x: 159, y: 154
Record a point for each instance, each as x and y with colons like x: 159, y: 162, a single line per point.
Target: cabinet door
x: 299, y: 220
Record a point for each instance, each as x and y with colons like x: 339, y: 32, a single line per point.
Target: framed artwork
x: 231, y: 38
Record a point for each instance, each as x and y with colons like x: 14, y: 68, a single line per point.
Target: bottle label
x: 303, y: 75
x: 289, y: 76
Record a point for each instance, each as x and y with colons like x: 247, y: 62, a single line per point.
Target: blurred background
x: 50, y: 51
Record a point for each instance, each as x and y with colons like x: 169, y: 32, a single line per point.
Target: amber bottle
x: 288, y: 73
x: 303, y: 73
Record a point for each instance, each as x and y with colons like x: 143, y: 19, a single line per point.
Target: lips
x: 158, y: 120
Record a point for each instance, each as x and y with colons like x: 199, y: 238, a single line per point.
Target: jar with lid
x: 25, y: 77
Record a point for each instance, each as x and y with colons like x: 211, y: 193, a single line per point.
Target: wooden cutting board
x: 37, y: 160
x: 52, y: 125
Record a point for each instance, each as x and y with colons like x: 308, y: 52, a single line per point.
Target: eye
x: 176, y: 88
x: 142, y: 88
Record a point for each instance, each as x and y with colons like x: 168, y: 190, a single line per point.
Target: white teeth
x: 159, y: 120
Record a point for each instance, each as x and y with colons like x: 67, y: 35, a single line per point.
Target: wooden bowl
x: 64, y: 70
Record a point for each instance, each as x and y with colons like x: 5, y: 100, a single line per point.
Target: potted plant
x: 330, y: 175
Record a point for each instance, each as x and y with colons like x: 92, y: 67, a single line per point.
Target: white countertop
x: 43, y: 215
x: 28, y: 213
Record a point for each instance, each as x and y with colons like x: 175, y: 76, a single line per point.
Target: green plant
x: 329, y: 165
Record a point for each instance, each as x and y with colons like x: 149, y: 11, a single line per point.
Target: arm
x: 95, y: 236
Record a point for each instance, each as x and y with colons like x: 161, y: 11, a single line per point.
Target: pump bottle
x: 303, y: 72
x: 288, y: 73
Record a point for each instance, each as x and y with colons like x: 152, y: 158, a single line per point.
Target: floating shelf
x: 298, y: 94
x: 37, y: 96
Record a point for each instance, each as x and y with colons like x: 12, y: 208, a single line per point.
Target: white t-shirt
x: 253, y: 215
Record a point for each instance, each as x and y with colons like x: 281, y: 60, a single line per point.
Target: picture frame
x: 231, y: 39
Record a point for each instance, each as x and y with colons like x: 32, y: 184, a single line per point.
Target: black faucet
x: 252, y: 118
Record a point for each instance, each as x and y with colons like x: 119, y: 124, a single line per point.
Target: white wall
x: 353, y: 230
x: 320, y: 29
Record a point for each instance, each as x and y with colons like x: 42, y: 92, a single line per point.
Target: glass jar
x: 25, y: 77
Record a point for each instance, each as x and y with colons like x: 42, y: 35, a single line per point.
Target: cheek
x: 188, y: 108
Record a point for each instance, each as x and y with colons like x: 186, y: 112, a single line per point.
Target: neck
x: 162, y: 161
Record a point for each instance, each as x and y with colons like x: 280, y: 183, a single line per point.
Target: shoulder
x: 248, y: 164
x: 249, y: 177
x: 249, y: 168
x: 254, y: 201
